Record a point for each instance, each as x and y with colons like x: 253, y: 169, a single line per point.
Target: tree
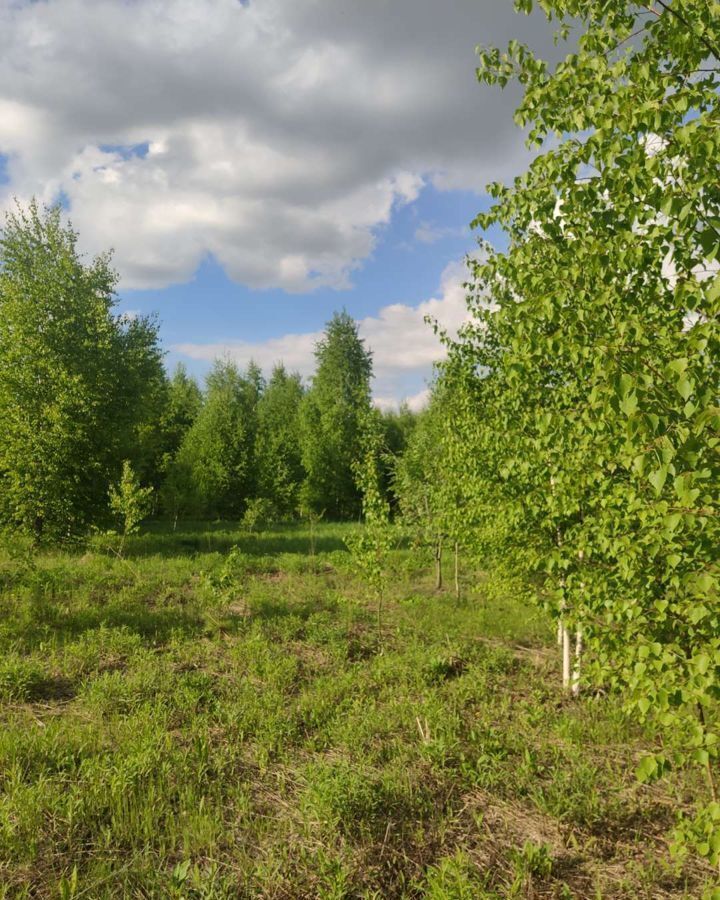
x: 330, y: 419
x: 371, y: 547
x: 595, y: 346
x: 278, y: 455
x: 129, y: 501
x: 74, y: 377
x: 183, y: 404
x: 428, y: 478
x: 398, y: 427
x: 215, y: 461
x: 184, y: 401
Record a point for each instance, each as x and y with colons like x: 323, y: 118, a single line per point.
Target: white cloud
x: 277, y: 136
x: 428, y: 233
x: 416, y: 402
x: 296, y: 351
x: 404, y: 346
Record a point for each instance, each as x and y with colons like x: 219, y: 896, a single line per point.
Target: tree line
x: 90, y: 413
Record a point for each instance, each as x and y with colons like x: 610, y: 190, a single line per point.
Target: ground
x: 215, y: 714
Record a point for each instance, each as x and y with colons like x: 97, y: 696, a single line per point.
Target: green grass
x: 215, y: 715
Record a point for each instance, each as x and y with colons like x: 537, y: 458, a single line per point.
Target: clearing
x: 215, y: 715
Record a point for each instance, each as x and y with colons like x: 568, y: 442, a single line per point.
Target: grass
x: 214, y: 715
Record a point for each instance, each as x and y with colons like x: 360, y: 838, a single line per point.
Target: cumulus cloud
x: 404, y: 346
x: 277, y: 136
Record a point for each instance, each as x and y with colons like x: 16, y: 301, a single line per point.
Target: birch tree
x: 74, y: 377
x: 595, y: 338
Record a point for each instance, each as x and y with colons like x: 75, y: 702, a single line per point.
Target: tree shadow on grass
x: 221, y: 538
x: 269, y: 608
x: 46, y: 621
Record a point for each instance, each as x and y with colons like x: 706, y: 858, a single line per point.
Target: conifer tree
x: 183, y: 403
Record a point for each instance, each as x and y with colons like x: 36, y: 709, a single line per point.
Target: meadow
x: 214, y: 713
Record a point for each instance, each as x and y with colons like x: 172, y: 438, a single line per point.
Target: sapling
x: 438, y: 561
x: 370, y: 549
x: 130, y: 502
x: 313, y: 518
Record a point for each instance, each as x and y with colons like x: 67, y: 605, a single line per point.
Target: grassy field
x: 215, y: 715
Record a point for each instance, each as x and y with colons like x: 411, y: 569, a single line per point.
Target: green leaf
x: 685, y: 387
x: 647, y: 769
x: 629, y: 404
x: 657, y: 478
x: 713, y: 291
x: 677, y: 366
x: 624, y: 385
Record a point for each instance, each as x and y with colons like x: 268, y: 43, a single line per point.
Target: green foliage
x: 259, y: 513
x: 429, y: 475
x: 76, y: 381
x: 214, y: 465
x: 593, y: 353
x: 398, y: 427
x: 532, y: 862
x: 331, y: 417
x: 181, y: 409
x: 129, y: 501
x: 278, y: 451
x: 454, y: 878
x: 371, y: 547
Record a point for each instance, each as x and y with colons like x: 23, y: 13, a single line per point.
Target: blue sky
x: 411, y: 253
x: 257, y: 166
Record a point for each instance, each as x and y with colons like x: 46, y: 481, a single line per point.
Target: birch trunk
x: 578, y: 641
x: 576, y: 664
x: 566, y: 655
x: 457, y: 571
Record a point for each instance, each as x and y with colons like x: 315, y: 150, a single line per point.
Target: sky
x: 257, y: 165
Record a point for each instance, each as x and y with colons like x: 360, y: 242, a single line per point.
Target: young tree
x: 215, y: 460
x: 129, y: 501
x: 183, y: 404
x: 429, y: 477
x: 596, y: 340
x: 331, y: 414
x: 419, y: 478
x: 278, y: 452
x: 371, y: 547
x: 398, y: 427
x: 74, y: 377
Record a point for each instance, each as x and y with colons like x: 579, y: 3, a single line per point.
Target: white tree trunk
x: 566, y: 655
x: 578, y: 641
x: 576, y: 664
